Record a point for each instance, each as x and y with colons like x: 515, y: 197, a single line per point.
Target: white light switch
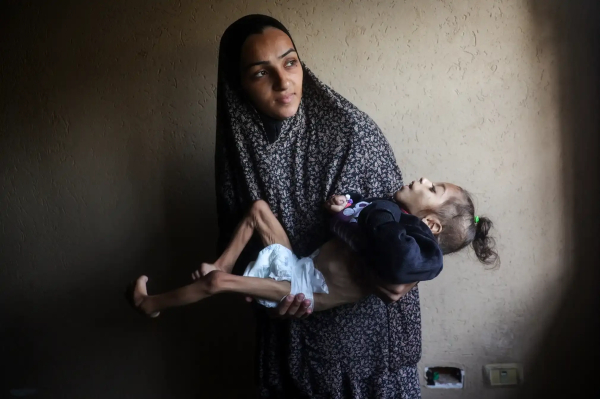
x: 504, y: 374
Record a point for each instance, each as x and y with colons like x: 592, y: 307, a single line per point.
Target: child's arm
x: 340, y: 224
x: 337, y: 203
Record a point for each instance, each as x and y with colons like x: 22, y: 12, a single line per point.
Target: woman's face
x: 271, y: 73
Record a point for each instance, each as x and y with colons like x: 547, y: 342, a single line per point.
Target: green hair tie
x: 476, y: 219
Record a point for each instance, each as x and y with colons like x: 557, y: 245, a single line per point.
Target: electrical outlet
x: 445, y: 377
x: 503, y: 374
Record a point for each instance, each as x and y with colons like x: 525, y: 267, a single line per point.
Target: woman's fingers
x: 308, y: 312
x: 303, y: 310
x: 292, y: 306
x: 295, y: 306
x: 284, y: 305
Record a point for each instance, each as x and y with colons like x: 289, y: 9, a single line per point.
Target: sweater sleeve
x: 342, y: 227
x: 402, y: 251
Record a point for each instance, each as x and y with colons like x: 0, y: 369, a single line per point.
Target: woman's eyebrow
x: 287, y: 52
x: 266, y: 62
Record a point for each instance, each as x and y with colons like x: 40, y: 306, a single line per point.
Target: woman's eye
x: 260, y: 74
x: 291, y: 63
x: 432, y: 189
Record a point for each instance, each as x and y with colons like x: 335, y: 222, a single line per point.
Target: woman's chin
x: 284, y: 112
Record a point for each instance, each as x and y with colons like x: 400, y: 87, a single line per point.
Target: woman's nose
x: 424, y: 181
x: 281, y: 81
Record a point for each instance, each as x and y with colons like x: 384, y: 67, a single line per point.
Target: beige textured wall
x: 108, y: 113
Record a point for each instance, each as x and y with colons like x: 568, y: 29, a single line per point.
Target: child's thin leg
x: 211, y: 284
x: 261, y: 219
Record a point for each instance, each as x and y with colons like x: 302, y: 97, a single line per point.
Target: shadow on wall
x: 564, y: 365
x: 204, y: 349
x: 102, y: 181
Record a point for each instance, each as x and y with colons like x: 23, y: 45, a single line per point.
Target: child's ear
x: 434, y: 224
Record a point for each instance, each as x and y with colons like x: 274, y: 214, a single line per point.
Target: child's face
x: 422, y: 196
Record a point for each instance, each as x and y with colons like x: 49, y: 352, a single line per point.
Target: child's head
x: 449, y: 212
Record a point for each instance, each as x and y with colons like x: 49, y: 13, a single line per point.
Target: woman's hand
x: 292, y: 306
x: 394, y: 292
x: 336, y: 203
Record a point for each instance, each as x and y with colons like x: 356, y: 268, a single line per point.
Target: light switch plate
x: 503, y: 374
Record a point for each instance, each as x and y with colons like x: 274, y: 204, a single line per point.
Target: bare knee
x: 215, y: 282
x: 259, y: 209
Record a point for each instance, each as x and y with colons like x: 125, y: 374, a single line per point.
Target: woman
x: 286, y: 138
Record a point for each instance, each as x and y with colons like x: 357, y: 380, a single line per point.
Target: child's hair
x: 459, y: 229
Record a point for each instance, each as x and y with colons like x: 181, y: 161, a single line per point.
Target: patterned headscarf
x: 328, y: 147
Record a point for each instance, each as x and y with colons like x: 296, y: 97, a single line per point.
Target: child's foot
x: 137, y: 296
x: 205, y: 268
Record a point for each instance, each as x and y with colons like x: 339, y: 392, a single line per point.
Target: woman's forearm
x: 394, y: 292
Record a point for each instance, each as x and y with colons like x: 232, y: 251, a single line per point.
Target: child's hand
x: 336, y: 203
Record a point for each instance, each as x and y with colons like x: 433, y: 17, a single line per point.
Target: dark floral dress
x: 363, y: 350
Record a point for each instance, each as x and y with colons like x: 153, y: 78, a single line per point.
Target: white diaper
x: 279, y: 263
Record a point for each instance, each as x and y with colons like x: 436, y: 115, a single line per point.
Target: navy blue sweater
x: 398, y: 246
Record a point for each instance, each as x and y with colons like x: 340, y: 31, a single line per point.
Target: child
x: 440, y: 219
x: 398, y: 247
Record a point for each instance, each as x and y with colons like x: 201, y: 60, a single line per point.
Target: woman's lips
x: 286, y: 99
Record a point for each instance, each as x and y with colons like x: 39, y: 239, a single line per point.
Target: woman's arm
x: 394, y: 292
